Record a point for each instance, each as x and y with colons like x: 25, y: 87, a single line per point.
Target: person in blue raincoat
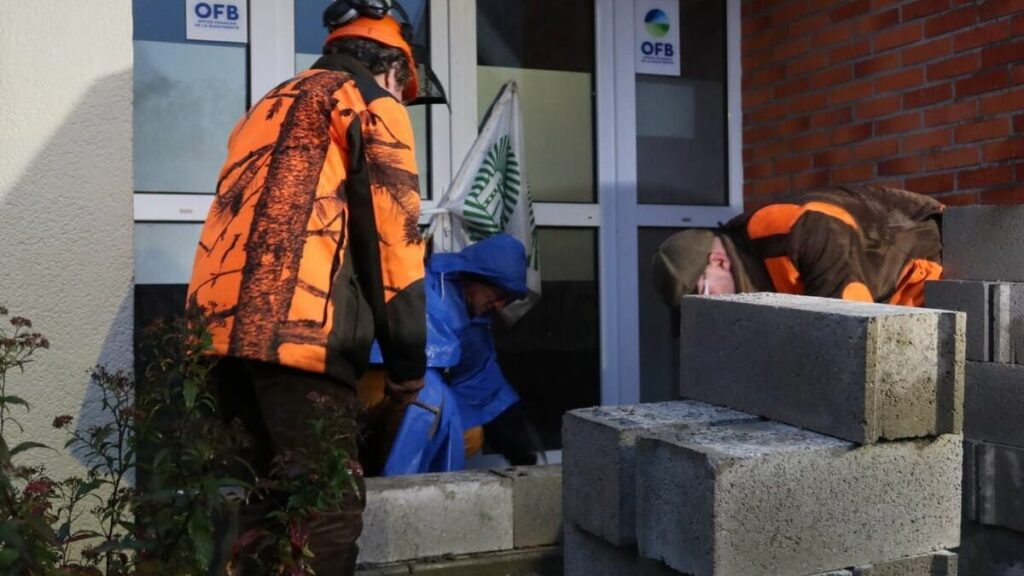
x: 466, y: 397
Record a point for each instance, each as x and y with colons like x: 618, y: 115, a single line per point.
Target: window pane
x: 552, y: 355
x: 553, y: 64
x: 681, y: 126
x: 309, y: 42
x: 188, y: 95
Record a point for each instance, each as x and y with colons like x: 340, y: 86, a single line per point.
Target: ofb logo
x: 495, y: 193
x: 656, y: 22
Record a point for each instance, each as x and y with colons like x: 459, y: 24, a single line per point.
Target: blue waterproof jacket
x: 430, y: 436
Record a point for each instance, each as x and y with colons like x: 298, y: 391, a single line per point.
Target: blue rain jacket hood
x: 501, y: 259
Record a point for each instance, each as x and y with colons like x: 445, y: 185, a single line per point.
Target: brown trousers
x: 270, y: 401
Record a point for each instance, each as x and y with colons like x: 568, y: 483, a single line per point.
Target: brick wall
x: 927, y: 95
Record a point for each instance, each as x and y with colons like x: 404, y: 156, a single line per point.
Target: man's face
x: 717, y: 276
x: 483, y: 298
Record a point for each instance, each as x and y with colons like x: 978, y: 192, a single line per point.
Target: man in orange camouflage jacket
x: 864, y: 243
x: 311, y: 250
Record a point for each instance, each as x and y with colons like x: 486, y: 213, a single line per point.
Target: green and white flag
x: 490, y: 194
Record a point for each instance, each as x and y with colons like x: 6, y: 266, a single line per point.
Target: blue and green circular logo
x: 656, y: 22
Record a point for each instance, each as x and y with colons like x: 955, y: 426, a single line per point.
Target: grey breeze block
x: 983, y: 243
x: 999, y: 482
x: 995, y: 316
x: 536, y: 504
x: 587, y: 555
x: 991, y: 551
x: 766, y: 498
x: 598, y: 460
x: 857, y: 371
x: 994, y: 403
x: 427, y: 515
x: 941, y: 563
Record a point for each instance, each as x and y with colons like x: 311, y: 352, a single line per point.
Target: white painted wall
x: 66, y: 198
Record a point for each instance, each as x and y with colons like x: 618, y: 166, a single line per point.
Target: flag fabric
x: 490, y: 194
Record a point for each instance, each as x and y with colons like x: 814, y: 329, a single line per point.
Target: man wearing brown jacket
x: 864, y: 243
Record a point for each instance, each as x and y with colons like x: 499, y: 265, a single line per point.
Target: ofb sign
x: 216, y: 20
x: 657, y: 37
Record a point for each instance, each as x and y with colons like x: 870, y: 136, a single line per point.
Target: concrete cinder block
x: 429, y: 515
x: 970, y: 484
x: 991, y: 551
x: 861, y: 372
x: 598, y: 460
x: 995, y: 316
x: 536, y: 504
x: 994, y: 403
x: 941, y: 563
x: 983, y: 243
x: 588, y: 555
x: 1000, y: 485
x: 766, y: 498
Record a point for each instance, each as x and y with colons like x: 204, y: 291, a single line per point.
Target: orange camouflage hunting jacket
x: 311, y: 248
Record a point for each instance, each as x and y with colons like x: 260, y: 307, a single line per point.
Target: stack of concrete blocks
x: 983, y: 258
x: 822, y: 438
x: 506, y: 520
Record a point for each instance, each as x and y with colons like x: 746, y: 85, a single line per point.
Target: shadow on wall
x: 66, y: 252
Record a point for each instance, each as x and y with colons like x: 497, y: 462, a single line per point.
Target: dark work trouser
x: 271, y: 402
x: 511, y: 435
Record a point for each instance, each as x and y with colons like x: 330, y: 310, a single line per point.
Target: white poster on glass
x: 217, y: 20
x: 657, y: 37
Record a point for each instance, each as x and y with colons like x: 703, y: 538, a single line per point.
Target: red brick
x: 807, y: 103
x: 765, y: 77
x: 960, y: 199
x: 992, y: 8
x: 926, y: 140
x: 832, y: 157
x: 789, y: 12
x: 851, y: 10
x: 1013, y: 195
x: 898, y: 124
x: 988, y: 130
x: 901, y: 165
x: 1017, y: 74
x: 755, y: 61
x: 810, y: 142
x: 793, y: 164
x: 1017, y: 25
x: 880, y: 4
x: 850, y: 133
x: 832, y: 35
x: 792, y: 126
x: 871, y: 66
x: 796, y: 86
x: 923, y: 8
x: 758, y: 170
x: 981, y: 35
x: 770, y: 112
x: 897, y: 81
x: 951, y: 113
x: 755, y: 98
x: 832, y: 117
x: 871, y: 149
x: 765, y: 40
x: 883, y: 106
x: 1002, y: 54
x: 983, y: 82
x: 930, y: 50
x: 987, y: 176
x: 1018, y: 128
x: 931, y: 183
x: 759, y: 134
x: 946, y: 159
x: 831, y: 77
x: 928, y: 96
x: 809, y: 25
x: 813, y: 61
x: 768, y: 150
x: 808, y: 180
x: 771, y: 186
x: 1004, y: 150
x: 876, y: 22
x: 1020, y: 172
x: 752, y: 26
x: 850, y: 51
x: 956, y: 20
x: 900, y: 36
x: 852, y: 174
x: 852, y: 91
x: 955, y: 66
x: 791, y: 48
